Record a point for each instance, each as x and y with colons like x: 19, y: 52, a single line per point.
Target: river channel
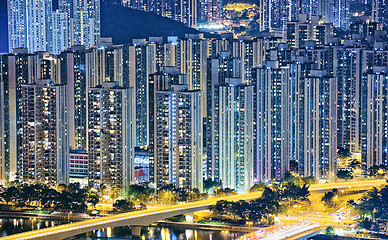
x: 12, y: 226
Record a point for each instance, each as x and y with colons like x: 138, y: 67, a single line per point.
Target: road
x: 145, y: 217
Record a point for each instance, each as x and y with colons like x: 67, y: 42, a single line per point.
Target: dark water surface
x: 18, y: 225
x: 157, y: 233
x: 13, y: 226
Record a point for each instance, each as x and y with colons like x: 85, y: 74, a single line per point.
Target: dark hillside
x: 124, y: 24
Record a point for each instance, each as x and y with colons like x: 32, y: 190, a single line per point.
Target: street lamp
x: 68, y: 216
x: 249, y: 223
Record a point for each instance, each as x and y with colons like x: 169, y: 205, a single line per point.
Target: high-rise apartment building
x: 60, y: 32
x: 161, y: 81
x: 336, y: 12
x: 186, y: 137
x: 210, y: 11
x: 111, y: 135
x: 307, y: 28
x: 374, y: 118
x: 273, y: 14
x: 229, y: 117
x: 87, y: 22
x: 219, y: 68
x: 380, y: 12
x: 16, y: 70
x: 44, y: 139
x: 347, y: 68
x: 234, y: 134
x: 29, y: 24
x: 272, y: 121
x: 34, y: 25
x: 138, y: 72
x: 296, y: 107
x: 321, y: 125
x: 364, y: 27
x: 171, y: 52
x: 175, y: 132
x: 74, y: 75
x: 193, y: 54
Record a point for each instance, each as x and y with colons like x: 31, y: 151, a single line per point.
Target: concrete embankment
x: 213, y: 227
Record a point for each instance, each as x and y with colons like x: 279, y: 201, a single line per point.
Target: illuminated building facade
x: 271, y: 121
x: 218, y: 70
x: 78, y: 166
x: 347, y: 68
x: 111, y: 135
x: 374, y: 118
x: 307, y: 28
x: 175, y: 133
x: 234, y: 132
x: 60, y: 32
x: 16, y: 70
x: 73, y: 74
x: 34, y: 25
x: 45, y: 140
x: 336, y: 12
x: 29, y: 25
x: 321, y: 125
x: 380, y: 11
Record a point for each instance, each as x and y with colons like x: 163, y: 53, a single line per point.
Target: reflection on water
x: 13, y: 226
x: 18, y: 225
x: 156, y: 233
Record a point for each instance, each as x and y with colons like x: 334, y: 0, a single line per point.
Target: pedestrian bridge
x: 151, y: 215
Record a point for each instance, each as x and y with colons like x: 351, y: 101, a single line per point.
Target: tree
x: 124, y: 205
x: 303, y: 193
x: 257, y: 187
x: 330, y: 199
x: 167, y: 195
x: 143, y: 205
x: 367, y: 223
x: 10, y: 194
x: 294, y: 166
x: 309, y: 180
x: 354, y: 164
x: 372, y: 209
x: 182, y: 194
x: 93, y: 197
x: 378, y: 171
x: 256, y: 210
x: 259, y: 210
x: 270, y: 194
x: 209, y: 184
x: 241, y: 209
x: 288, y: 177
x: 226, y: 191
x: 343, y: 153
x: 290, y: 191
x: 142, y: 193
x: 195, y: 194
x: 345, y: 174
x: 330, y: 230
x: 50, y: 197
x: 221, y: 208
x: 113, y: 193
